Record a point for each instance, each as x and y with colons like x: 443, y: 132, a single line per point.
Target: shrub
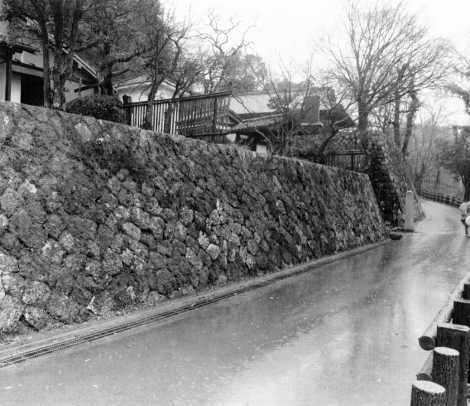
x: 98, y: 106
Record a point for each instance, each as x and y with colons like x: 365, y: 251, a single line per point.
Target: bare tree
x: 335, y: 117
x: 165, y: 40
x: 386, y: 50
x: 223, y: 52
x: 381, y: 118
x: 292, y: 111
x: 410, y: 116
x: 424, y: 146
x: 454, y: 155
x: 187, y: 73
x: 113, y: 29
x: 460, y: 85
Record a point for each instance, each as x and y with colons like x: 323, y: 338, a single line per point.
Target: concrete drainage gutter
x: 15, y: 354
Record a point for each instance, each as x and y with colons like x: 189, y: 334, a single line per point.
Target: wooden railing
x: 352, y: 160
x: 195, y: 116
x: 443, y: 379
x: 438, y: 197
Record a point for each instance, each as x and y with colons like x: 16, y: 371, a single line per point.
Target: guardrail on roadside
x: 443, y: 379
x: 438, y: 197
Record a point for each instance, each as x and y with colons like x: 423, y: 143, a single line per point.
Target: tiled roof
x: 269, y: 120
x: 258, y: 102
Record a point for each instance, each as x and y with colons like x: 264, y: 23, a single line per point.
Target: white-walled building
x: 21, y: 72
x: 138, y: 88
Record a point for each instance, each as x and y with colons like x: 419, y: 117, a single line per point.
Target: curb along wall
x: 101, y: 215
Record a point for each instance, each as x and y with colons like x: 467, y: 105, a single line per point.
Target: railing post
x: 425, y: 393
x: 214, y: 120
x: 127, y: 112
x: 445, y: 372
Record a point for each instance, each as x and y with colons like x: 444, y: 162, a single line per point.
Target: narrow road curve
x: 343, y: 334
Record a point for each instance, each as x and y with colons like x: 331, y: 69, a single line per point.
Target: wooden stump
x: 457, y: 337
x: 466, y: 291
x: 425, y: 393
x: 445, y: 372
x: 428, y: 339
x: 461, y: 314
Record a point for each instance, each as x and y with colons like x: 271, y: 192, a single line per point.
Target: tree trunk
x: 363, y: 124
x: 106, y: 84
x: 106, y: 70
x: 46, y: 84
x: 396, y: 112
x: 363, y: 119
x: 419, y: 177
x: 410, y: 117
x: 59, y: 75
x: 147, y: 125
x: 396, y: 119
x: 466, y: 193
x: 61, y: 71
x: 58, y: 86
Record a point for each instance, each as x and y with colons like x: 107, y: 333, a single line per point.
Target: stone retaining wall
x: 391, y: 179
x: 96, y: 216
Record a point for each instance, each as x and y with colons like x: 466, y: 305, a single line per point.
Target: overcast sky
x: 288, y: 29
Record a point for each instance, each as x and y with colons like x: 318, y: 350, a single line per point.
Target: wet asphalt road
x: 343, y: 334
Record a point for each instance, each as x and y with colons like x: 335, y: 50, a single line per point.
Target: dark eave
x: 17, y: 47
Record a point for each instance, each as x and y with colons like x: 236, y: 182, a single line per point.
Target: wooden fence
x: 196, y: 116
x: 443, y: 379
x: 441, y: 198
x: 352, y: 160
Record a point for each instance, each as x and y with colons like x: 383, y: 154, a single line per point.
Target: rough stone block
x: 131, y: 230
x: 11, y: 310
x: 35, y: 293
x: 8, y: 264
x: 63, y: 308
x: 10, y: 201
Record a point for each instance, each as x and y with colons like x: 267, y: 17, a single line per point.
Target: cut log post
x: 427, y: 341
x: 457, y: 337
x: 466, y: 291
x: 461, y: 314
x: 425, y: 372
x: 425, y: 393
x: 445, y: 372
